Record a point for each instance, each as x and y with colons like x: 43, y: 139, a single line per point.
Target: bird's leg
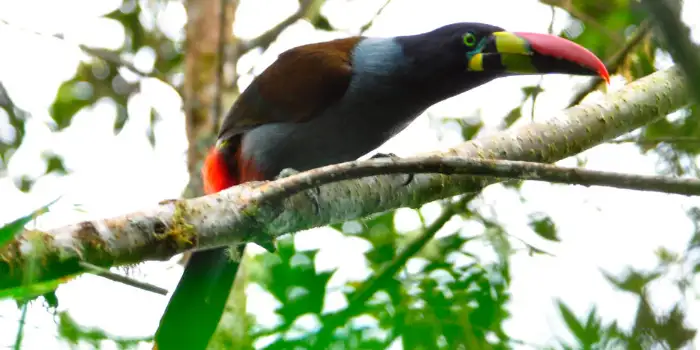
x: 393, y: 156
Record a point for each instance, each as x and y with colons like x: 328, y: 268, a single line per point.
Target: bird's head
x: 489, y: 51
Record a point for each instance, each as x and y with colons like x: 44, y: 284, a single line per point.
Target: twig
x: 500, y: 169
x: 221, y: 60
x: 675, y: 33
x: 367, y: 25
x: 264, y: 40
x: 115, y: 58
x: 20, y: 329
x: 98, y: 271
x: 371, y: 286
x: 614, y: 63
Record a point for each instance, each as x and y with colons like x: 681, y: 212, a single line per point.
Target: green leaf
x: 469, y: 130
x: 532, y: 91
x: 633, y: 281
x: 54, y: 164
x: 72, y: 96
x: 513, y: 116
x: 571, y: 321
x: 320, y: 22
x: 30, y: 291
x: 543, y: 225
x: 10, y: 230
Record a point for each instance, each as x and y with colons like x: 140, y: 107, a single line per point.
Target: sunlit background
x: 601, y: 229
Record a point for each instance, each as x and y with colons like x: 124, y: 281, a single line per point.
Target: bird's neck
x: 412, y: 69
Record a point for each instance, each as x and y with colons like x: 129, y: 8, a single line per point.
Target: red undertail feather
x: 217, y: 176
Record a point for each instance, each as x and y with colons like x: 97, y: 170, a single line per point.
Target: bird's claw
x: 393, y: 156
x: 286, y: 172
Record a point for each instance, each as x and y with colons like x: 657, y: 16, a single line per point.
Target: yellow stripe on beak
x: 510, y: 43
x: 515, y: 53
x: 476, y: 63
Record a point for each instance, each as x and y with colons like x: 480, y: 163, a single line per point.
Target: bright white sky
x: 114, y: 175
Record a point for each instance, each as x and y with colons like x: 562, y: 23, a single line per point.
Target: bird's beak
x: 532, y: 53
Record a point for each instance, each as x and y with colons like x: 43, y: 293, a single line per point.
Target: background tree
x: 144, y: 92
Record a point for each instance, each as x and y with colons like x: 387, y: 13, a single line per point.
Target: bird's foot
x: 393, y: 156
x: 286, y: 172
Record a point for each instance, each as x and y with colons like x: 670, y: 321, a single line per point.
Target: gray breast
x: 372, y: 111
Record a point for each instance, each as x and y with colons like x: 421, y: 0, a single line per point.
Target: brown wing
x: 300, y: 83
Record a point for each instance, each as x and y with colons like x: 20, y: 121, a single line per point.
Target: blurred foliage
x: 74, y: 334
x: 452, y: 298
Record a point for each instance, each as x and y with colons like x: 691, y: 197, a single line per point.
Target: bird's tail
x: 199, y: 300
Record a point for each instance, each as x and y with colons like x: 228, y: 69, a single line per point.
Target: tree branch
x: 676, y: 34
x: 498, y: 169
x: 231, y: 216
x: 266, y: 39
x: 105, y: 273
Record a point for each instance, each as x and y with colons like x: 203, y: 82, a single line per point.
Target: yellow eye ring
x: 469, y: 39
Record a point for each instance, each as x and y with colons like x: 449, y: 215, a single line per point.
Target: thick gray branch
x: 234, y: 215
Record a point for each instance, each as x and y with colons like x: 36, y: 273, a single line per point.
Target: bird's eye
x: 469, y: 39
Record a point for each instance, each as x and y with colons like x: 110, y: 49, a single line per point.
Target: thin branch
x: 265, y: 40
x: 239, y: 215
x: 614, y: 63
x: 499, y: 169
x: 676, y: 34
x: 369, y: 24
x: 20, y: 329
x: 98, y: 271
x: 117, y: 59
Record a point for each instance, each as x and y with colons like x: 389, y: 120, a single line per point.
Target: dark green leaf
x: 512, y: 116
x: 532, y: 91
x: 10, y: 230
x: 54, y: 164
x: 633, y: 281
x: 470, y: 130
x: 576, y: 328
x: 544, y: 226
x: 321, y: 22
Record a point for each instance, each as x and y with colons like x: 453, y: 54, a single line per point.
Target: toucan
x: 335, y: 101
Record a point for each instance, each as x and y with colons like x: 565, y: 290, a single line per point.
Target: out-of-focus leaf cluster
x: 447, y: 304
x: 101, y: 78
x: 107, y: 75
